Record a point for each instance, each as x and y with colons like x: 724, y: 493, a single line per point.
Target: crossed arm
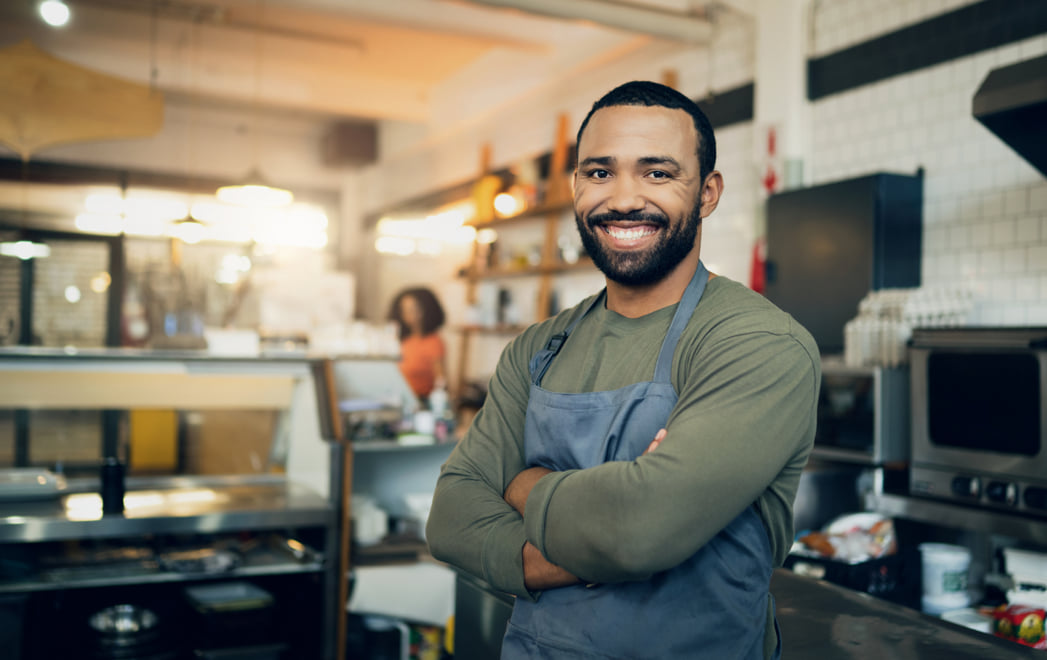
x: 539, y: 572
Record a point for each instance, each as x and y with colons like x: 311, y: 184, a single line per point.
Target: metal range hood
x: 1012, y: 103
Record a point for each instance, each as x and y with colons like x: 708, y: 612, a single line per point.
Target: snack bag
x: 1020, y: 623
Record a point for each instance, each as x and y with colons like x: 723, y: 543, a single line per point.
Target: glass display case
x: 226, y: 481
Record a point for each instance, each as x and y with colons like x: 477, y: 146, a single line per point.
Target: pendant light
x: 254, y: 190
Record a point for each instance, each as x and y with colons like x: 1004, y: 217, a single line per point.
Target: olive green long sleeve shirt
x: 747, y: 376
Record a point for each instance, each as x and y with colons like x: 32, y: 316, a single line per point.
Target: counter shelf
x: 193, y: 507
x: 949, y: 514
x: 140, y: 561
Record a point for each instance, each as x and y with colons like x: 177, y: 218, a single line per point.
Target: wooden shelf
x: 534, y: 213
x: 584, y: 263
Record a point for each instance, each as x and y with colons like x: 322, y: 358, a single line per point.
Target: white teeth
x: 630, y: 234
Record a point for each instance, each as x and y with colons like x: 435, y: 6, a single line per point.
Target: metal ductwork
x: 672, y: 25
x: 1012, y: 103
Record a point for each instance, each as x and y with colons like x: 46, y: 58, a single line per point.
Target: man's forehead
x: 638, y: 131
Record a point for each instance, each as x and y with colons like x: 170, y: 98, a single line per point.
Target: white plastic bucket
x: 944, y: 577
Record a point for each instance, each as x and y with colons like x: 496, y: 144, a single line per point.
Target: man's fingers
x: 658, y: 437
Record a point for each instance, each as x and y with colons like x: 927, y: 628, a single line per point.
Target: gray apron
x: 713, y: 605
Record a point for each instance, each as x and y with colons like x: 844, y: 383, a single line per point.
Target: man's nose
x: 625, y: 197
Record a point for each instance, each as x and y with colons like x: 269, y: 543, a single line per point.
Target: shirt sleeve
x: 470, y: 525
x: 746, y: 411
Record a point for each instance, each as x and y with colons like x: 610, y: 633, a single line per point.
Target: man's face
x: 638, y: 191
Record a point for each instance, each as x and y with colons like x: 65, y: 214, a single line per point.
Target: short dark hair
x: 432, y: 312
x: 647, y: 93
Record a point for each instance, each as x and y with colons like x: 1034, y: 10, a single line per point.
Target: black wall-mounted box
x: 828, y: 246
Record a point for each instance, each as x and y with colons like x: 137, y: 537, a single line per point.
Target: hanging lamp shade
x: 254, y: 191
x: 45, y: 101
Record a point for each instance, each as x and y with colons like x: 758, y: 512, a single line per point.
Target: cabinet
x: 518, y: 263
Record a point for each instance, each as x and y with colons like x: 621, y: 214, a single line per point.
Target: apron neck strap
x: 691, y: 295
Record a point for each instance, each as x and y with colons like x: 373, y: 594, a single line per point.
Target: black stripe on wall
x: 730, y: 107
x: 965, y: 31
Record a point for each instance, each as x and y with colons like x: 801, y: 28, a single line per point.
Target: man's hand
x: 658, y: 437
x: 541, y: 574
x: 520, y: 487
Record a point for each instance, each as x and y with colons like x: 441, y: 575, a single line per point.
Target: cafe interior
x: 207, y: 207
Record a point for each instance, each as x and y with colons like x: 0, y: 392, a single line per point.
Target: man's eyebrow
x: 597, y: 160
x: 661, y: 160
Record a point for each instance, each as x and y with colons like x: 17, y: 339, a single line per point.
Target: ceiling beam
x: 629, y: 17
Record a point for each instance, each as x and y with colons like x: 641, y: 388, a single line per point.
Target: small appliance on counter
x: 979, y: 423
x: 863, y: 413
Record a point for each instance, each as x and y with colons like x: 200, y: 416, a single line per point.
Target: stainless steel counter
x: 167, y: 507
x: 817, y: 619
x: 824, y: 621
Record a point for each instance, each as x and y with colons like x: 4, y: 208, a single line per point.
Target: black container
x: 112, y: 477
x: 232, y: 614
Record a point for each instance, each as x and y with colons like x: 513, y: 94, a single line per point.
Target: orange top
x: 418, y: 358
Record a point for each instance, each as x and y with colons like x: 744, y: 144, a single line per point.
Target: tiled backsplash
x: 985, y: 207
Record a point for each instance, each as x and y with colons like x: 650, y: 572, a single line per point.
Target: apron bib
x: 712, y: 605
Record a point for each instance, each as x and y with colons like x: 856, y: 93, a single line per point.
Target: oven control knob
x: 967, y: 487
x: 1036, y: 498
x: 1002, y: 492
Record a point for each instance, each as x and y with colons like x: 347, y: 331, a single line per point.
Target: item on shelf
x: 231, y: 614
x: 1021, y: 624
x: 112, y: 480
x: 199, y: 560
x: 370, y: 522
x: 944, y: 577
x: 851, y: 538
x: 879, y: 334
x: 30, y: 484
x: 857, y: 551
x: 1028, y: 573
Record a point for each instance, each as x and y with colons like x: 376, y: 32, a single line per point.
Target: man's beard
x: 640, y: 267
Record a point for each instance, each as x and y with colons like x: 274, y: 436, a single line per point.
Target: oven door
x: 978, y: 423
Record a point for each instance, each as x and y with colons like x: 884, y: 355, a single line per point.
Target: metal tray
x: 30, y: 484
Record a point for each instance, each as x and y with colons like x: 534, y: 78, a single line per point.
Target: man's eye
x: 599, y: 174
x: 658, y: 174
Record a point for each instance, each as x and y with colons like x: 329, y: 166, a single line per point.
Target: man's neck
x: 636, y: 301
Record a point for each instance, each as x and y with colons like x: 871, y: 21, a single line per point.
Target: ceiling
x: 356, y: 61
x: 340, y: 58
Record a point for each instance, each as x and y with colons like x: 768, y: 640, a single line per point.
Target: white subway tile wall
x: 985, y: 207
x: 838, y: 24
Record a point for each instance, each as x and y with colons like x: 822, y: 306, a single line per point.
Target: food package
x: 1020, y: 623
x: 852, y: 538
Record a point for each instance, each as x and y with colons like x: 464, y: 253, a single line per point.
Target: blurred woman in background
x: 419, y: 316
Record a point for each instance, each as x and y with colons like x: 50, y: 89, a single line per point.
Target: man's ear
x: 712, y: 188
x: 574, y: 179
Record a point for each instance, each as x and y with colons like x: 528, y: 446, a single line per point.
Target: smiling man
x: 632, y: 473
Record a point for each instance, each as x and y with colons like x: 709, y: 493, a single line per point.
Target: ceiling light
x: 254, y: 192
x: 100, y: 223
x: 188, y: 230
x: 54, y: 12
